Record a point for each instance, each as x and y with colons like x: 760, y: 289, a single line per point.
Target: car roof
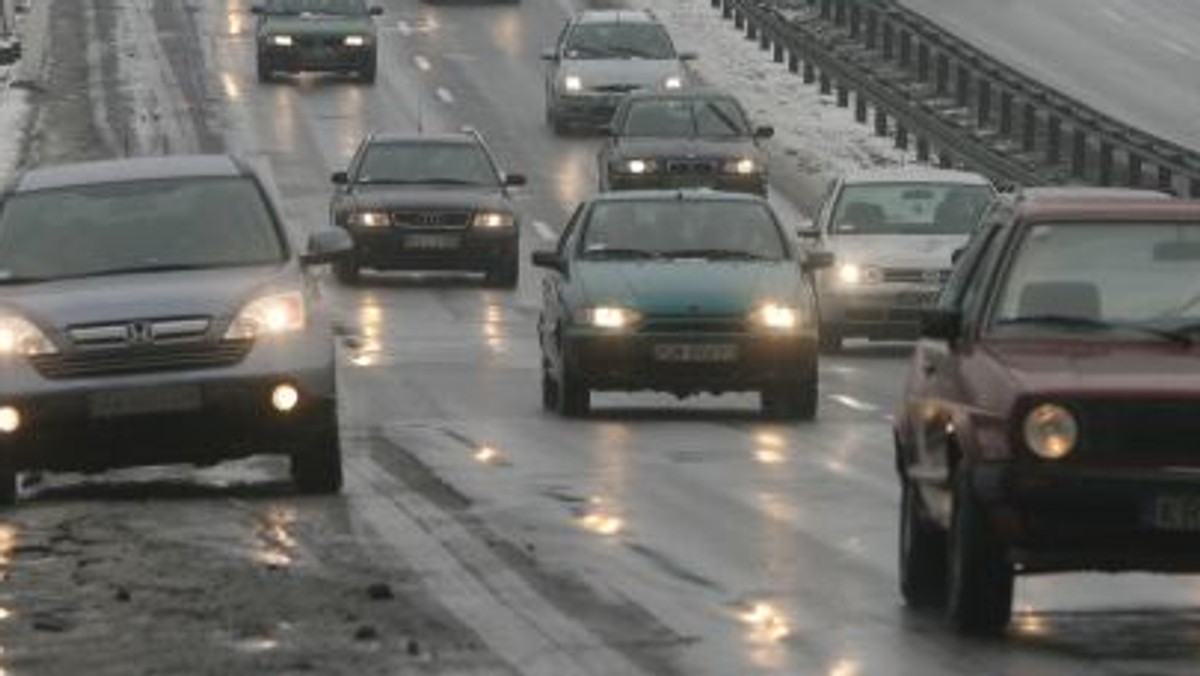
x: 915, y: 174
x: 413, y: 137
x: 615, y: 16
x: 1103, y: 204
x: 686, y: 195
x: 702, y: 92
x: 130, y: 169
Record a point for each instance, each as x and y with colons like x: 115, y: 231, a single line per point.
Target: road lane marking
x: 422, y: 63
x: 404, y: 28
x: 855, y: 404
x: 1114, y: 15
x: 1177, y: 48
x: 445, y: 95
x: 544, y: 231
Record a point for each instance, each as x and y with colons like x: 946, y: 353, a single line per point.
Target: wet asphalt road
x: 655, y: 537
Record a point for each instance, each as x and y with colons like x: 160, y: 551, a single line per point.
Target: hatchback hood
x: 97, y: 300
x: 897, y: 251
x: 1079, y: 368
x: 596, y: 73
x: 674, y: 288
x: 325, y: 25
x: 425, y: 197
x: 685, y: 147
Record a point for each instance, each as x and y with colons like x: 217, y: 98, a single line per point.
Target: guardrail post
x: 962, y: 94
x: 1029, y: 128
x: 943, y: 75
x: 1006, y: 114
x: 1166, y: 180
x: 751, y: 31
x: 881, y: 122
x: 889, y: 41
x: 923, y: 149
x: 810, y: 72
x: 901, y: 136
x: 826, y: 83
x: 739, y: 20
x: 1194, y: 187
x: 1135, y: 170
x: 764, y: 40
x: 777, y: 56
x: 983, y: 115
x: 1106, y: 163
x: 945, y: 160
x: 872, y: 29
x: 727, y: 10
x: 839, y: 13
x: 1079, y: 153
x: 793, y: 62
x: 843, y: 96
x: 860, y: 109
x: 826, y: 9
x: 1053, y: 139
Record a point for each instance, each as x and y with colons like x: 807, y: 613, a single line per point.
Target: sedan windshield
x: 425, y: 162
x: 685, y: 118
x: 115, y: 228
x: 679, y: 229
x: 909, y: 209
x: 317, y: 7
x: 1100, y: 278
x: 618, y: 41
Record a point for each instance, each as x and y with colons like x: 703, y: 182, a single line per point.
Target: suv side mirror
x: 549, y: 260
x: 957, y: 254
x: 817, y: 260
x: 340, y: 178
x: 688, y: 56
x: 808, y: 230
x: 256, y: 9
x: 549, y: 55
x: 376, y: 11
x: 941, y: 324
x: 513, y: 180
x: 764, y: 131
x: 326, y: 246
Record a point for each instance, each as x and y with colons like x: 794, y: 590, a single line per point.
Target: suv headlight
x: 854, y: 274
x: 1051, y: 431
x: 370, y: 219
x: 268, y: 316
x: 673, y: 82
x: 609, y: 317
x: 282, y: 40
x: 743, y: 166
x: 572, y: 83
x: 493, y: 219
x: 355, y: 40
x: 639, y: 166
x: 777, y: 317
x: 18, y: 336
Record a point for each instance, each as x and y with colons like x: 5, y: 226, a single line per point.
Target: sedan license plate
x: 1176, y: 513
x: 434, y: 242
x: 702, y: 353
x: 143, y: 401
x: 917, y: 298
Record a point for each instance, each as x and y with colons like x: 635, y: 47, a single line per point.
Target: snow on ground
x: 823, y: 138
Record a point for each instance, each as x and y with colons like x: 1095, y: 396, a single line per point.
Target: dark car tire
x: 830, y: 339
x: 922, y: 548
x: 573, y: 399
x: 794, y: 401
x: 549, y: 390
x: 504, y: 274
x: 9, y: 486
x: 317, y: 468
x: 346, y: 271
x: 979, y: 577
x: 367, y: 74
x: 265, y: 72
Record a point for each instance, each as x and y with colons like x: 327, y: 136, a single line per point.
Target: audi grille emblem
x: 139, y: 333
x: 931, y: 276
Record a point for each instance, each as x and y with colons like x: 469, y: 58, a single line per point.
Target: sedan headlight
x: 743, y: 166
x: 673, y: 82
x: 282, y: 40
x: 639, y: 166
x: 493, y: 219
x: 572, y: 83
x: 354, y: 41
x: 608, y: 317
x: 370, y: 219
x: 1051, y: 431
x: 854, y: 274
x: 18, y: 336
x: 776, y: 316
x: 268, y: 316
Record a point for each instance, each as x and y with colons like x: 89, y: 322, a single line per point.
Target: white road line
x: 544, y: 231
x: 855, y: 404
x: 422, y: 63
x: 1114, y: 15
x: 404, y: 28
x: 1177, y: 48
x: 445, y: 95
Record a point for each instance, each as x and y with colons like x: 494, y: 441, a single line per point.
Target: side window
x: 561, y: 44
x: 826, y: 208
x: 959, y: 287
x: 975, y: 294
x: 568, y: 233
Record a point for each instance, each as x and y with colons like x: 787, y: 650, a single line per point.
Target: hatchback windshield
x: 685, y: 118
x: 909, y: 209
x: 1094, y: 276
x: 448, y: 163
x: 673, y: 229
x: 619, y: 41
x: 123, y: 227
x: 317, y: 7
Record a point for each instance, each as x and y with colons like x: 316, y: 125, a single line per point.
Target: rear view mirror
x: 549, y: 260
x: 818, y: 260
x: 340, y: 178
x: 764, y: 131
x: 513, y: 180
x: 327, y: 246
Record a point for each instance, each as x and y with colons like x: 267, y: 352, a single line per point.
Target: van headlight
x: 639, y: 166
x: 269, y: 315
x: 19, y: 336
x: 1051, y: 431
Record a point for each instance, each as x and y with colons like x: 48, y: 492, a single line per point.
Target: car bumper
x: 880, y: 314
x: 199, y: 415
x: 1064, y: 518
x: 755, y: 184
x: 327, y: 59
x: 468, y: 249
x: 670, y: 363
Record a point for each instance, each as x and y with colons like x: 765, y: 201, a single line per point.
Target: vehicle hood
x: 896, y: 251
x: 674, y: 288
x: 424, y: 197
x: 97, y: 300
x: 1079, y: 368
x: 339, y: 25
x: 608, y: 72
x: 684, y: 147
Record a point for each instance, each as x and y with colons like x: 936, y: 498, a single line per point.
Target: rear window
x: 130, y: 226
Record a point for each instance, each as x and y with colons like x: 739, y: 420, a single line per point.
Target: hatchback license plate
x: 1176, y: 513
x: 119, y: 403
x: 426, y: 242
x: 696, y: 352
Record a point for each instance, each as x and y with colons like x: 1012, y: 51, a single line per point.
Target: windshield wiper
x: 416, y: 181
x: 614, y: 252
x: 1089, y: 324
x: 716, y: 254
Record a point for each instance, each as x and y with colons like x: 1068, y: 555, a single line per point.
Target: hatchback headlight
x: 1051, y: 431
x: 640, y: 166
x: 269, y: 315
x: 743, y: 166
x: 354, y: 41
x: 608, y: 317
x: 282, y: 40
x: 673, y: 82
x: 776, y: 316
x: 493, y: 219
x: 370, y: 219
x: 572, y: 83
x: 19, y: 336
x: 854, y: 274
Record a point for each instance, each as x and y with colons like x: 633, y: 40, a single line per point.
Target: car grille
x: 319, y: 41
x: 916, y: 275
x: 432, y: 220
x: 616, y: 88
x: 694, y: 325
x: 691, y: 166
x: 1131, y: 432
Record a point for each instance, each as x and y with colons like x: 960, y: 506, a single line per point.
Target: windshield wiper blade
x: 615, y: 252
x: 716, y: 254
x: 1089, y: 324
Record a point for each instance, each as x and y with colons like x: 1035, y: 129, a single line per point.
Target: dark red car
x: 1051, y: 417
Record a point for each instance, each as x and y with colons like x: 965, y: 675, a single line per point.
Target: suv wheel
x: 317, y: 467
x: 922, y: 553
x: 265, y: 72
x: 367, y: 74
x: 504, y: 273
x: 346, y: 271
x: 980, y: 585
x: 794, y: 401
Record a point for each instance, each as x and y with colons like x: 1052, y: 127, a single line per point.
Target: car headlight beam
x: 282, y: 40
x: 777, y: 317
x: 639, y: 166
x: 371, y: 219
x: 673, y: 82
x: 609, y: 317
x: 269, y: 315
x: 354, y: 41
x: 19, y: 336
x: 1050, y: 431
x: 573, y: 83
x: 493, y: 219
x: 743, y: 166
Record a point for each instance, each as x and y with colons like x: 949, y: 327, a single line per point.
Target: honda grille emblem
x: 139, y: 333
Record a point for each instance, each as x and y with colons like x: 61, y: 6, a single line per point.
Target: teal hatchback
x: 682, y: 292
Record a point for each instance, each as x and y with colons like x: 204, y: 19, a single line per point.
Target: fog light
x: 285, y: 398
x: 10, y: 419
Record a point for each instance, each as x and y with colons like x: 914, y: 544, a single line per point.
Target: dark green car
x: 682, y: 292
x: 316, y: 35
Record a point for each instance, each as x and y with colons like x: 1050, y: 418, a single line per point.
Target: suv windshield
x: 681, y: 229
x: 426, y: 162
x: 640, y: 40
x: 685, y: 118
x: 1099, y: 277
x: 317, y: 7
x: 909, y: 209
x: 122, y: 227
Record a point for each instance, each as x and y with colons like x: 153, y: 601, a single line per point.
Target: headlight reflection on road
x: 8, y: 542
x: 846, y: 667
x: 234, y: 22
x: 1027, y: 623
x: 370, y: 324
x: 506, y: 33
x: 233, y: 91
x: 493, y: 330
x: 767, y: 625
x: 490, y: 455
x: 770, y: 449
x: 602, y: 524
x: 278, y: 546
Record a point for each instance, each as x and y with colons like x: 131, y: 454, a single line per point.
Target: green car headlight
x: 777, y: 317
x: 493, y: 219
x: 608, y: 317
x: 355, y: 40
x: 743, y: 166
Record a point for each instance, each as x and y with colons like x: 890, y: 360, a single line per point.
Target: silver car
x: 892, y: 233
x: 602, y: 55
x: 157, y: 311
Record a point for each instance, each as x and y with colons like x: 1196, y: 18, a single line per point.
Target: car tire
x: 979, y: 586
x: 549, y: 390
x: 572, y: 399
x: 265, y: 72
x: 346, y: 271
x: 504, y: 274
x: 794, y: 401
x: 317, y: 468
x: 9, y: 486
x: 922, y: 549
x: 367, y: 74
x: 830, y: 339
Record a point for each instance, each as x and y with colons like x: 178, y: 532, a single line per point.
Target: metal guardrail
x: 955, y: 105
